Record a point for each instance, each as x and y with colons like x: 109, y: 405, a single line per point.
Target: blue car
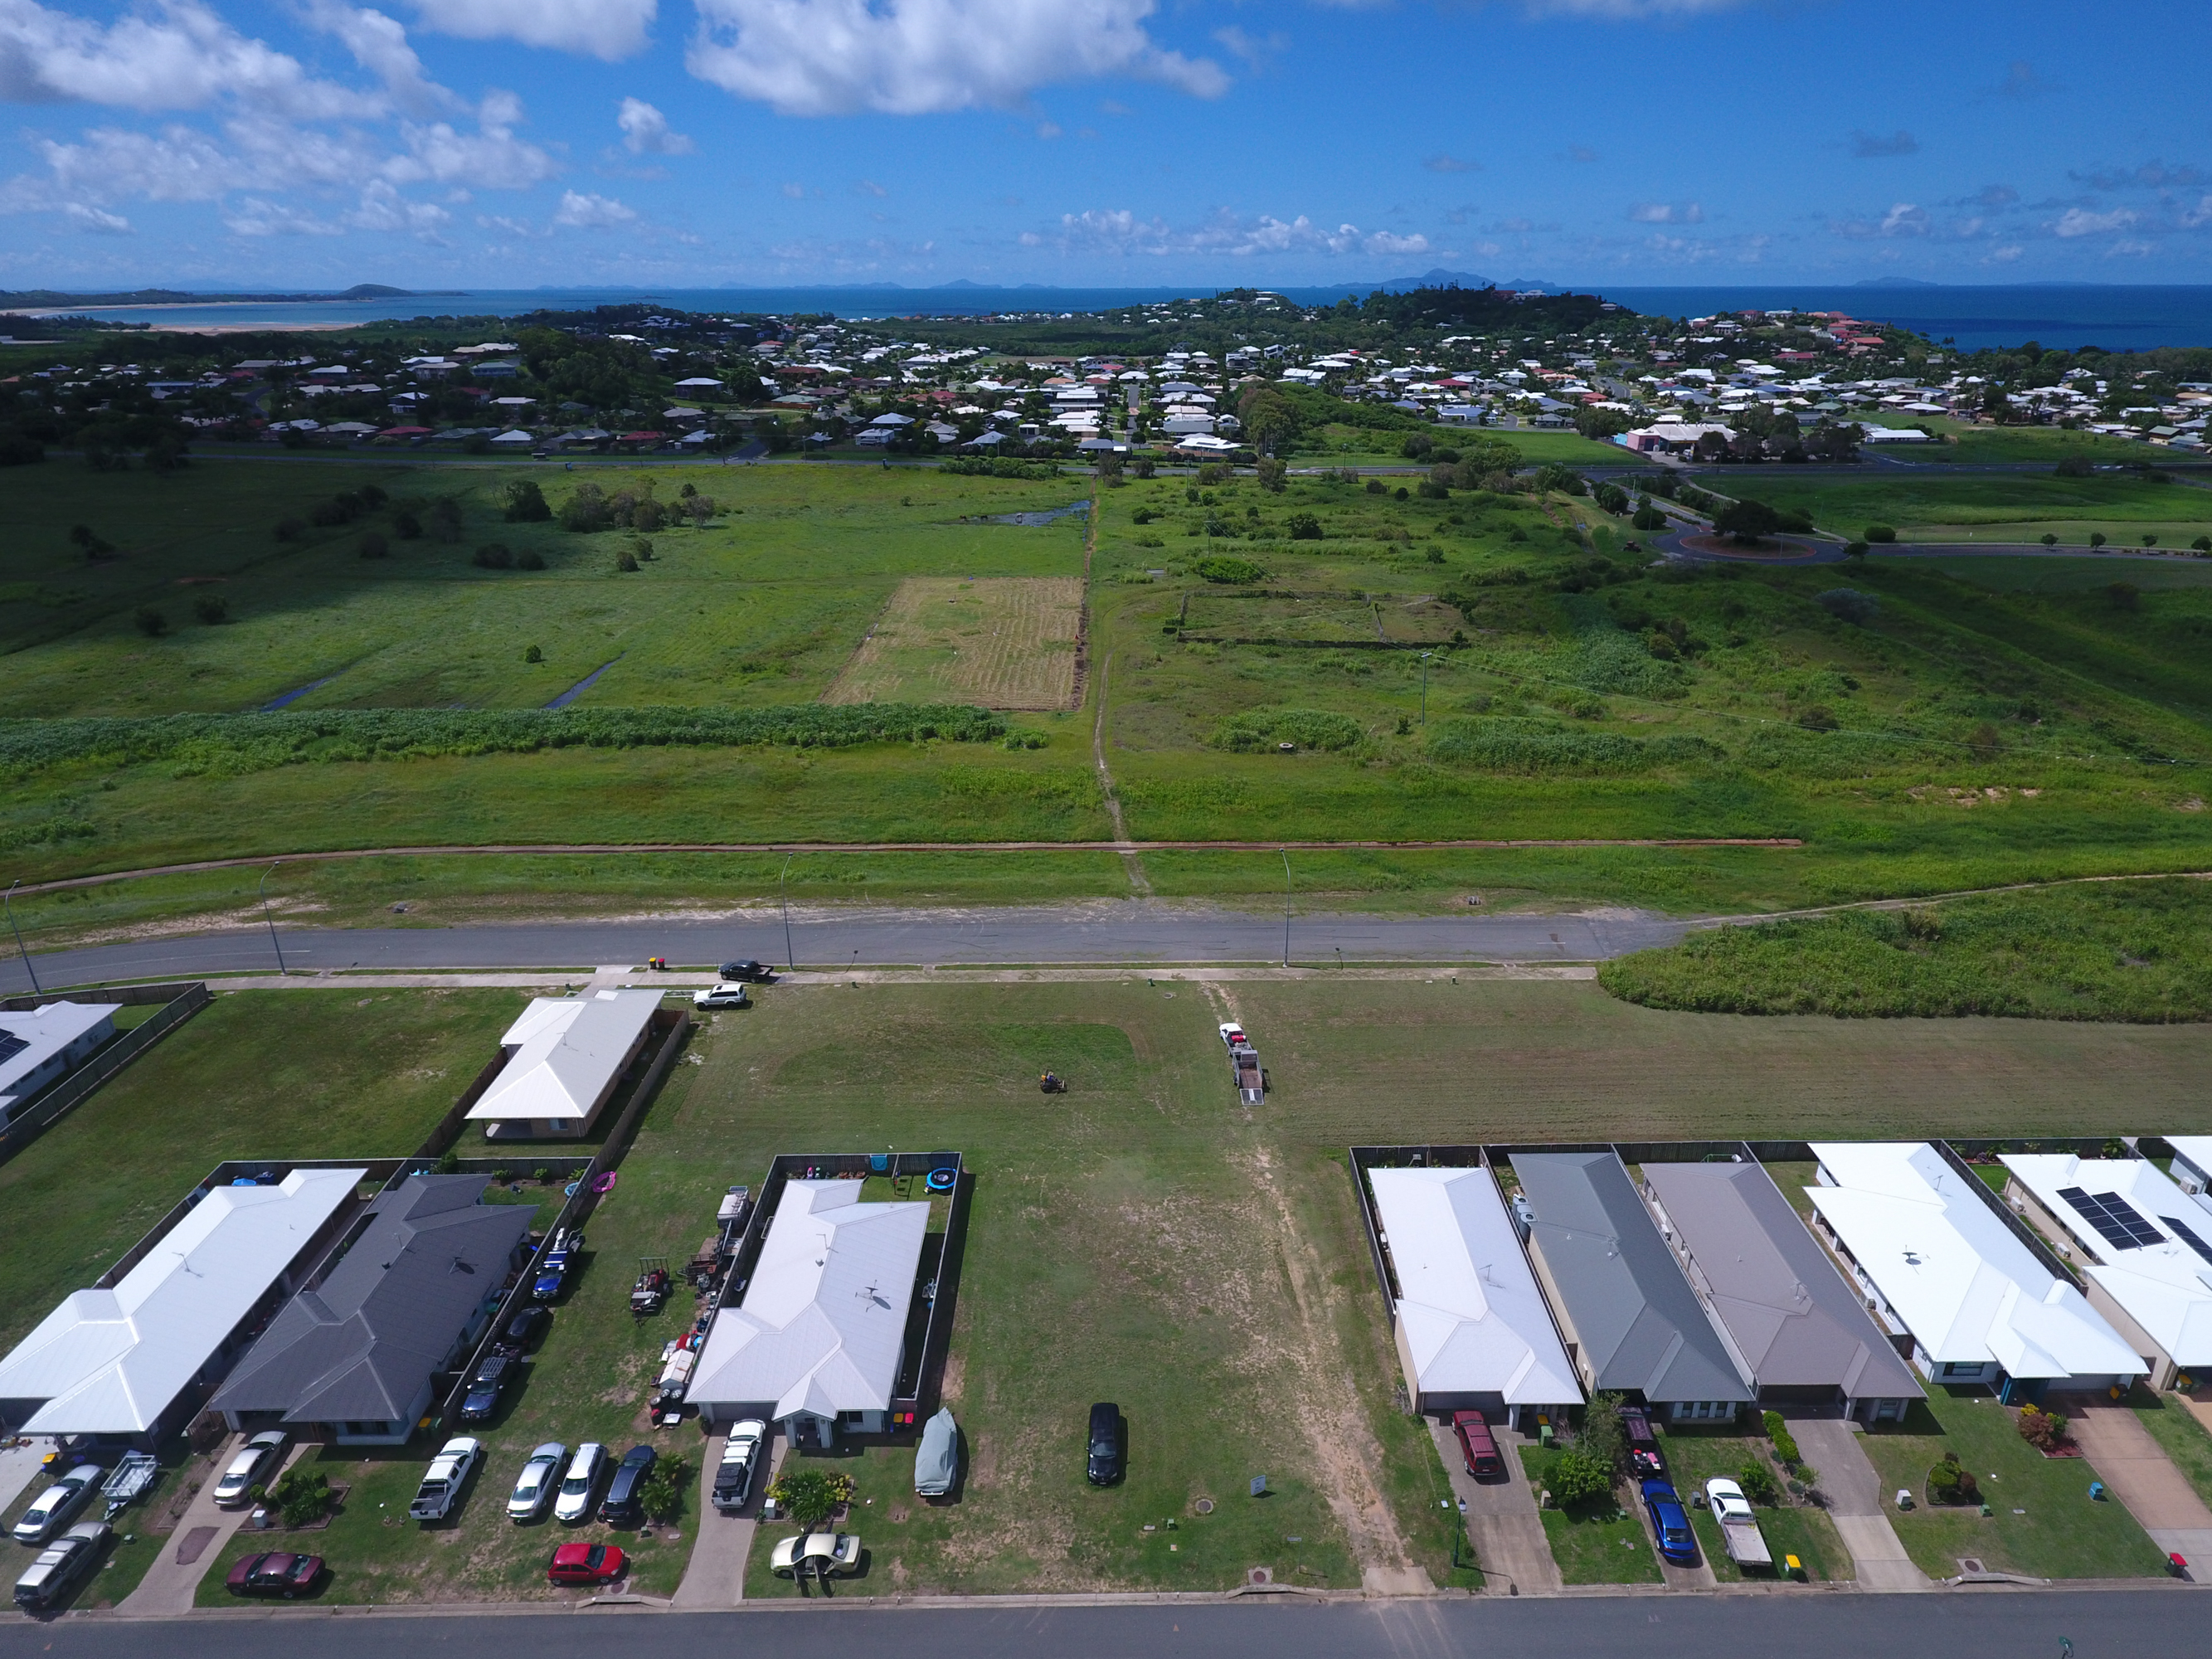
x: 1669, y: 1524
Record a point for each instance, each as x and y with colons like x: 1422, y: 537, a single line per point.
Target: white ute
x: 443, y: 1481
x: 1746, y: 1545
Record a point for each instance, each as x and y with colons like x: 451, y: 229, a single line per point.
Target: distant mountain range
x: 43, y: 298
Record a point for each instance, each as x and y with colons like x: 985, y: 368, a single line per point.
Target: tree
x: 1603, y: 1437
x: 2096, y: 539
x: 1271, y: 474
x: 1748, y: 522
x: 211, y: 608
x: 1576, y: 1477
x: 662, y: 1495
x: 2050, y: 540
x: 151, y: 622
x: 1758, y: 1484
x: 1881, y: 533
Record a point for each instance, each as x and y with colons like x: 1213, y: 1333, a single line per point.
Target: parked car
x: 1645, y: 1460
x: 1670, y: 1524
x: 539, y: 1479
x: 581, y: 1483
x: 586, y: 1564
x: 758, y: 972
x: 274, y: 1573
x: 442, y: 1481
x: 524, y: 1332
x: 815, y: 1554
x: 741, y: 1458
x: 54, y: 1508
x: 484, y: 1388
x: 257, y: 1462
x: 1477, y: 1445
x: 937, y: 1459
x: 60, y: 1567
x: 624, y: 1505
x: 1740, y: 1533
x: 553, y: 1271
x: 1105, y: 1465
x: 727, y: 995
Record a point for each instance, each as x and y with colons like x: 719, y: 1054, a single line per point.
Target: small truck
x: 443, y: 1481
x: 1731, y: 1510
x: 1244, y: 1067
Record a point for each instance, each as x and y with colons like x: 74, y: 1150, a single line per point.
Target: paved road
x: 1131, y: 931
x: 1805, y: 1625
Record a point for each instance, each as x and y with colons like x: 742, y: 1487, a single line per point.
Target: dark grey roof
x: 359, y: 1347
x: 1793, y: 1318
x: 1638, y: 1322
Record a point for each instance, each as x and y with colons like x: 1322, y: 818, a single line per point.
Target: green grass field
x: 1916, y: 506
x: 257, y: 1074
x: 2042, y: 1523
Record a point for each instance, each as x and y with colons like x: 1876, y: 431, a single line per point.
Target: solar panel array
x: 2116, y: 1221
x: 11, y: 1045
x: 2188, y: 1235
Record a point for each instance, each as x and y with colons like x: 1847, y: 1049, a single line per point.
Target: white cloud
x: 1383, y: 242
x: 2003, y: 256
x: 1667, y: 213
x: 2079, y: 222
x: 646, y: 132
x: 1118, y: 231
x: 1629, y: 11
x: 254, y: 217
x: 383, y: 208
x: 178, y: 55
x: 923, y: 56
x: 586, y: 212
x: 1904, y: 220
x: 593, y: 28
x: 96, y: 219
x: 176, y: 165
x: 379, y: 44
x: 491, y: 158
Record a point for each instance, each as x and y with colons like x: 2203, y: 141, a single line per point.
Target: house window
x: 1700, y: 1409
x: 1951, y: 1368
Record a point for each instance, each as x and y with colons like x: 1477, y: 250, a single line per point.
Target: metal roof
x: 569, y: 1050
x: 30, y: 1039
x: 112, y: 1361
x: 1793, y: 1319
x: 1638, y: 1322
x: 360, y: 1346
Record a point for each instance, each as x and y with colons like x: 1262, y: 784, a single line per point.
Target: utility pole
x: 268, y: 918
x: 10, y: 905
x: 1286, y: 905
x: 784, y: 882
x: 1425, y: 655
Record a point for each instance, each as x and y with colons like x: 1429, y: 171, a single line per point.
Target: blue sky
x: 507, y: 143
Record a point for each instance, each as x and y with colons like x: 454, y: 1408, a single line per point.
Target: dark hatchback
x: 524, y: 1332
x: 485, y: 1388
x: 624, y: 1503
x: 1103, y: 1468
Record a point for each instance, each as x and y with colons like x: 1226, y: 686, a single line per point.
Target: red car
x: 274, y: 1574
x: 1477, y: 1445
x: 586, y: 1564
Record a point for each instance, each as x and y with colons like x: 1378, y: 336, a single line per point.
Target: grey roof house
x: 1632, y: 1323
x: 1799, y: 1331
x: 356, y: 1354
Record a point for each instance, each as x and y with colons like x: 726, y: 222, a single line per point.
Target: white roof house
x: 2192, y: 1166
x: 820, y: 1334
x: 38, y: 1045
x: 2145, y: 1245
x: 115, y: 1361
x: 1472, y: 1328
x: 565, y: 1055
x: 1944, y: 1265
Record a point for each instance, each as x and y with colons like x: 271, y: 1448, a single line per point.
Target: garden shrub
x: 1880, y: 533
x: 1758, y: 1484
x: 525, y: 503
x: 1576, y: 1477
x: 1264, y: 728
x: 149, y: 621
x: 301, y: 1498
x: 1778, y: 1431
x: 810, y: 1495
x: 2043, y: 1429
x: 1849, y: 604
x: 1220, y: 568
x: 1950, y: 1483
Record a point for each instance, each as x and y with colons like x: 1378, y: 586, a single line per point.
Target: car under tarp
x: 937, y: 1460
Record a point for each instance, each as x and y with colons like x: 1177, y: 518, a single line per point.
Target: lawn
x: 1697, y: 1456
x: 1598, y: 1543
x: 2179, y: 1435
x: 318, y: 1074
x: 1916, y: 504
x: 2043, y: 1522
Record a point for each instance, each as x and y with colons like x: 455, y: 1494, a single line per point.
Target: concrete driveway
x: 1831, y: 1444
x: 1503, y: 1526
x: 20, y: 1466
x: 2141, y: 1476
x: 715, y: 1575
x: 201, y: 1536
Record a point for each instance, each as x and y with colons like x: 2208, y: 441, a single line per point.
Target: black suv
x: 759, y: 973
x: 624, y: 1503
x: 1104, y: 1467
x: 484, y: 1389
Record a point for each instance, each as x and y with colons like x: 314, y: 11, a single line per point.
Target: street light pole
x: 1286, y: 905
x: 271, y: 919
x: 1425, y: 655
x: 784, y: 882
x: 10, y: 905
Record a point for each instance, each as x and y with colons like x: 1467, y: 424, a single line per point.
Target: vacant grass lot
x: 2043, y: 1522
x: 1001, y: 642
x: 318, y: 1074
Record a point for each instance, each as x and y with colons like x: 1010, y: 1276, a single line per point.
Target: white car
x: 256, y: 1461
x: 815, y: 1554
x: 583, y: 1484
x: 443, y: 1481
x: 51, y: 1512
x: 741, y: 1459
x: 540, y: 1477
x: 727, y: 995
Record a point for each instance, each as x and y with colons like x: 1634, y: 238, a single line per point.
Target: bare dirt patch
x: 1004, y: 642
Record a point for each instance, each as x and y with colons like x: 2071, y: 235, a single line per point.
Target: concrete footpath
x: 1503, y: 1526
x: 714, y: 1578
x: 1831, y: 1444
x: 203, y: 1533
x: 2139, y: 1474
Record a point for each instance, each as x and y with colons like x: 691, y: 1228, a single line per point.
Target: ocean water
x: 2130, y: 318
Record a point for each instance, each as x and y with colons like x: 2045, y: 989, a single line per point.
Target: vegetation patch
x: 2103, y: 951
x: 1539, y: 746
x: 1007, y: 642
x: 1269, y: 728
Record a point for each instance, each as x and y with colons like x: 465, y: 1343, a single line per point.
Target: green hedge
x: 233, y: 744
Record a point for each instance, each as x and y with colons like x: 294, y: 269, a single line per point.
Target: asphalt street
x: 1131, y: 931
x: 1806, y: 1625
